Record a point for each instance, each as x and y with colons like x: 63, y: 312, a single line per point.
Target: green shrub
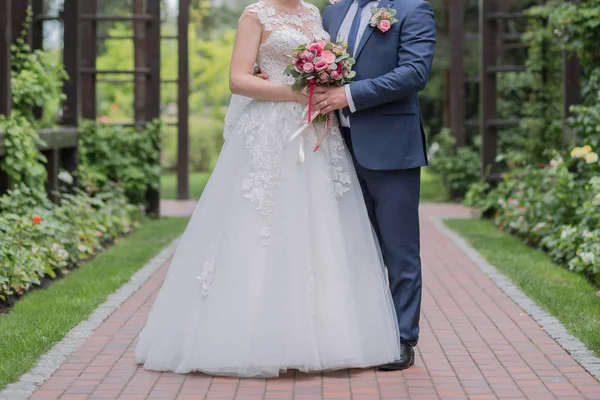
x: 127, y: 157
x: 556, y: 208
x: 458, y: 168
x: 45, y: 240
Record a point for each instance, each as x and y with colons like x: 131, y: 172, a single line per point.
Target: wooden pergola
x: 494, y: 41
x: 80, y: 20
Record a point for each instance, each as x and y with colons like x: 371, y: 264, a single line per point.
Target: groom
x: 381, y: 123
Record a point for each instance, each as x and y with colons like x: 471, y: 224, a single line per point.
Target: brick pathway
x: 476, y: 344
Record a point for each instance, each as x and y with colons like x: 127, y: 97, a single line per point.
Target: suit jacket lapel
x: 338, y: 18
x: 369, y: 29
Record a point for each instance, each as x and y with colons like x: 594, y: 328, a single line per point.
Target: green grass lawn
x: 432, y: 189
x: 43, y: 317
x: 168, y: 184
x: 568, y: 296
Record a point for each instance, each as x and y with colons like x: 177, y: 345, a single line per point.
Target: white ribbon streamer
x: 301, y: 156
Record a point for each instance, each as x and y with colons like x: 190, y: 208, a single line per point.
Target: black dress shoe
x: 407, y: 359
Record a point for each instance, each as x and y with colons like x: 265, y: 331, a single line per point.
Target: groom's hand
x: 329, y: 98
x: 259, y: 74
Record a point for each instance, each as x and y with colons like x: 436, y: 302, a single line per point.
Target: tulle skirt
x: 279, y: 267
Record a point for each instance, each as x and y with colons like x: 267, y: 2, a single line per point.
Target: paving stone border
x: 555, y: 329
x: 60, y: 352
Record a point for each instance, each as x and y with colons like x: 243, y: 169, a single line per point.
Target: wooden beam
x: 183, y: 102
x: 71, y: 58
x: 5, y: 42
x: 88, y: 32
x: 457, y: 73
x: 488, y: 88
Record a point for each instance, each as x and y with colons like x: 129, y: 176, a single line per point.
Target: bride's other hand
x: 259, y: 74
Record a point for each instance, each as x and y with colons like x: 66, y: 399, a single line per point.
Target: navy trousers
x: 392, y: 199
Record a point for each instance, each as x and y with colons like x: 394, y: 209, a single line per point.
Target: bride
x: 279, y: 267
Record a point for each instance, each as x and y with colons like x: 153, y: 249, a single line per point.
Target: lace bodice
x: 282, y: 33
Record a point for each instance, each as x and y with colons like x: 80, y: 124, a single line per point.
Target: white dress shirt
x: 343, y: 36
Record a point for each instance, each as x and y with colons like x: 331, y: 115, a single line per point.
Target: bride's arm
x: 245, y: 50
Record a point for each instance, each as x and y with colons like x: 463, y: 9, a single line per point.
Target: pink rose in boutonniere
x: 383, y: 18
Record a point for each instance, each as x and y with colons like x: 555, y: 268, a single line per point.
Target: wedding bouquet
x: 321, y: 63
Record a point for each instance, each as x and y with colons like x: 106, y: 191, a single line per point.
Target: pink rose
x: 316, y: 49
x: 300, y: 64
x: 328, y: 56
x: 307, y: 55
x: 320, y: 64
x: 322, y: 44
x: 324, y: 77
x: 336, y: 76
x: 308, y: 68
x: 384, y: 25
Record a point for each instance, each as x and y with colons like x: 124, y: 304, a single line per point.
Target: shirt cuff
x: 349, y: 98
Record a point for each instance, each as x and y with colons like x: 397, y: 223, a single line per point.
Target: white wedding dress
x: 279, y: 267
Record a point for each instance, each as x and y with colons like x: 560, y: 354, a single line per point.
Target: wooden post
x: 37, y: 27
x: 139, y: 45
x: 71, y: 57
x: 488, y: 89
x: 88, y: 31
x: 183, y: 102
x: 571, y: 90
x: 19, y: 15
x: 457, y: 74
x: 52, y: 170
x: 446, y: 100
x: 5, y: 99
x: 5, y: 42
x: 153, y: 41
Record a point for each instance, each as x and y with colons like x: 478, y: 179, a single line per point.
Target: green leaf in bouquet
x: 351, y: 75
x: 295, y: 73
x: 333, y: 67
x: 296, y: 87
x: 350, y: 60
x: 329, y: 46
x: 342, y: 57
x: 289, y: 69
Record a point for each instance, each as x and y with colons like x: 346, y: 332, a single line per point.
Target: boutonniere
x: 383, y: 18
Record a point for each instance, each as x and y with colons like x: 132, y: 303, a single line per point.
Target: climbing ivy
x: 37, y: 78
x: 23, y: 163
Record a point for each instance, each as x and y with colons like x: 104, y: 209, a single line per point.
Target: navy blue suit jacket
x: 391, y: 68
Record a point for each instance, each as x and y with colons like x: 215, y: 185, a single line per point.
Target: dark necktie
x: 353, y: 34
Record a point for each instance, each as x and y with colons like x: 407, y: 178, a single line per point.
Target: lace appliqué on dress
x: 206, y: 277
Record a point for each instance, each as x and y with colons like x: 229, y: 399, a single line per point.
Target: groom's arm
x: 415, y: 56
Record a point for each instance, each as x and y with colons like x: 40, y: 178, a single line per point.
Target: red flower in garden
x: 36, y: 220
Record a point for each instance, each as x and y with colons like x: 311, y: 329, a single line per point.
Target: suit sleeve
x: 415, y: 56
